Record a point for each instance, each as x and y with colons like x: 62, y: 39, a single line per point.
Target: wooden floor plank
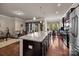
x: 57, y: 47
x: 10, y: 50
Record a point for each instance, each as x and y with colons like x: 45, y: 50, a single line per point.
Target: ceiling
x: 39, y: 10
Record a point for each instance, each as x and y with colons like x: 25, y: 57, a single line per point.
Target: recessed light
x: 58, y: 4
x: 20, y: 13
x: 56, y: 12
x: 34, y: 18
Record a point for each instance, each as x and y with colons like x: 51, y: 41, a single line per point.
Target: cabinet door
x: 75, y: 26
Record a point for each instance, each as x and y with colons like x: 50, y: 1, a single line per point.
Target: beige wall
x: 6, y: 21
x: 18, y: 23
x: 11, y: 22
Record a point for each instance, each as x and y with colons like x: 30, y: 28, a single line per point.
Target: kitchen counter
x: 34, y: 44
x: 6, y: 43
x: 36, y: 36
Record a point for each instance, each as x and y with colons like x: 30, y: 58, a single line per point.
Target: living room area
x: 15, y: 27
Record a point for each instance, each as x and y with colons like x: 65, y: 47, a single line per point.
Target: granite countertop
x: 36, y: 36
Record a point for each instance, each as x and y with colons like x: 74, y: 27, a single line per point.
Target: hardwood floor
x: 57, y: 47
x: 10, y: 50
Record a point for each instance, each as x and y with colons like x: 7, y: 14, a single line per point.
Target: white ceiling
x: 30, y: 10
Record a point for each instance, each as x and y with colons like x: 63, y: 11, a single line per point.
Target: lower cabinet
x: 32, y: 48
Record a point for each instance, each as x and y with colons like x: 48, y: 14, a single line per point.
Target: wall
x: 18, y: 23
x: 60, y: 23
x: 6, y: 21
x: 45, y: 25
x: 12, y: 23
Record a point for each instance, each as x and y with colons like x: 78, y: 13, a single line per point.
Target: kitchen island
x: 35, y: 44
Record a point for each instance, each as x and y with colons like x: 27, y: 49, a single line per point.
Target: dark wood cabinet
x: 38, y: 48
